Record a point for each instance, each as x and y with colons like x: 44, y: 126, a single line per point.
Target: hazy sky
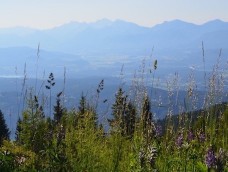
x: 50, y: 13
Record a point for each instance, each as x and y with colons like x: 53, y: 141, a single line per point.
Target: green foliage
x: 16, y: 158
x: 74, y: 140
x: 146, y: 119
x: 118, y: 112
x: 44, y: 145
x: 124, y: 115
x: 58, y: 109
x: 130, y: 119
x: 4, y: 131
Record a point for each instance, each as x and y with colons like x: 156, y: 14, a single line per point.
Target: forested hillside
x: 130, y: 138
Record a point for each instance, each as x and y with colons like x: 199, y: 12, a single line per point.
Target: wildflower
x: 210, y: 158
x: 202, y: 136
x: 180, y: 140
x: 142, y: 157
x: 20, y: 160
x: 191, y: 136
x: 152, y: 154
x: 158, y: 131
x: 6, y: 152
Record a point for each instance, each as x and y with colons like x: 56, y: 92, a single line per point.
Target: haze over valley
x: 89, y: 49
x: 116, y: 51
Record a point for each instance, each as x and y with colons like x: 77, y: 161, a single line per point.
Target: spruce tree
x: 79, y: 115
x: 58, y: 109
x: 32, y: 128
x: 86, y: 114
x: 117, y: 123
x: 146, y: 118
x: 4, y: 131
x: 18, y: 130
x: 82, y: 106
x: 130, y: 119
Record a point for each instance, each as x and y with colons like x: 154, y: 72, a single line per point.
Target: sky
x: 44, y: 14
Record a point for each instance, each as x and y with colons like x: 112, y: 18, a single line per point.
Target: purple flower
x: 180, y: 140
x: 202, y: 136
x: 191, y: 136
x: 158, y: 131
x: 210, y: 158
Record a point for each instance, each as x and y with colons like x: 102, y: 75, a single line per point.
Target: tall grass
x: 195, y: 139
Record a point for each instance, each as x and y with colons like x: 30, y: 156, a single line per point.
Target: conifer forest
x: 130, y: 138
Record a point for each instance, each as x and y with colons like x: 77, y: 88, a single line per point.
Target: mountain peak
x: 177, y: 22
x: 104, y: 20
x: 173, y: 24
x: 102, y: 23
x: 214, y: 22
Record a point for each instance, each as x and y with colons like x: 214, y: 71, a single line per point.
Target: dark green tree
x: 130, y: 119
x: 4, y: 131
x: 79, y: 115
x: 18, y: 130
x: 58, y: 109
x: 32, y: 127
x: 85, y: 113
x: 147, y: 119
x: 117, y: 123
x: 82, y: 108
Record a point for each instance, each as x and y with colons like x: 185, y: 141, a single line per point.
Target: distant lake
x: 11, y: 76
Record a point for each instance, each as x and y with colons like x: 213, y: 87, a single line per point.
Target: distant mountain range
x: 102, y: 47
x: 118, y: 36
x: 95, y: 51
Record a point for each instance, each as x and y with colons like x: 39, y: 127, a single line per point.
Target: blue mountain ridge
x: 117, y: 36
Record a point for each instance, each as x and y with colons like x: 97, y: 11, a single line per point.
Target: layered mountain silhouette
x: 118, y: 36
